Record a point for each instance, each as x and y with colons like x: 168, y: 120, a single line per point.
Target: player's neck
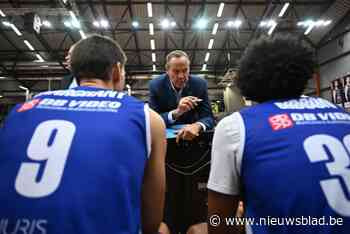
x: 96, y: 83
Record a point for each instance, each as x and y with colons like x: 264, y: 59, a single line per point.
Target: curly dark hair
x: 275, y: 68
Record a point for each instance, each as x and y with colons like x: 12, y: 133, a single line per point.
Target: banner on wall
x: 340, y: 91
x: 346, y: 82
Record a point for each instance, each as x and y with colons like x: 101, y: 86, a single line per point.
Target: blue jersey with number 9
x: 296, y: 167
x: 72, y: 161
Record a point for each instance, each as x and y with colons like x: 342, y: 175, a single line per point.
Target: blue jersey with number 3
x: 72, y: 161
x: 296, y: 167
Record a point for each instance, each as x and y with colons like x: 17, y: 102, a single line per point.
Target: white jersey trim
x: 240, y: 151
x: 148, y: 129
x: 227, y: 154
x: 248, y: 229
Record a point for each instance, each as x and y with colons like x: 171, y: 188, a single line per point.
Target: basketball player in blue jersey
x: 84, y: 160
x: 288, y: 156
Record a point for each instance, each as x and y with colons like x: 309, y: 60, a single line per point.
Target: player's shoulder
x: 46, y: 93
x: 132, y: 99
x: 229, y: 121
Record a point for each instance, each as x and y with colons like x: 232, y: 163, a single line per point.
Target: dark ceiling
x: 17, y: 60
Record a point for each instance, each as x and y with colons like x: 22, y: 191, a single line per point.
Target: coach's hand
x: 189, y: 132
x: 186, y: 104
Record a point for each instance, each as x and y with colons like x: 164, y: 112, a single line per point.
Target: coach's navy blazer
x: 164, y: 99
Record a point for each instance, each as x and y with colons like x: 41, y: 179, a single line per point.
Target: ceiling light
x: 104, y: 23
x: 154, y: 67
x: 6, y: 23
x: 263, y: 24
x: 204, y: 67
x: 71, y: 24
x: 40, y: 59
x: 215, y: 29
x: 74, y: 18
x: 135, y: 24
x: 234, y: 24
x: 309, y: 23
x: 151, y: 29
x: 211, y: 43
x: 268, y: 24
x: 230, y: 23
x: 272, y: 29
x: 237, y: 23
x: 67, y: 24
x: 15, y: 29
x: 153, y: 57
x: 47, y: 23
x: 284, y: 9
x: 149, y: 9
x: 75, y: 24
x: 96, y: 24
x: 327, y: 22
x: 319, y: 23
x: 82, y: 34
x: 165, y: 23
x: 207, y: 57
x: 153, y: 46
x: 173, y: 24
x: 309, y: 29
x: 201, y: 23
x: 220, y: 10
x: 2, y: 13
x: 29, y: 45
x: 271, y: 23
